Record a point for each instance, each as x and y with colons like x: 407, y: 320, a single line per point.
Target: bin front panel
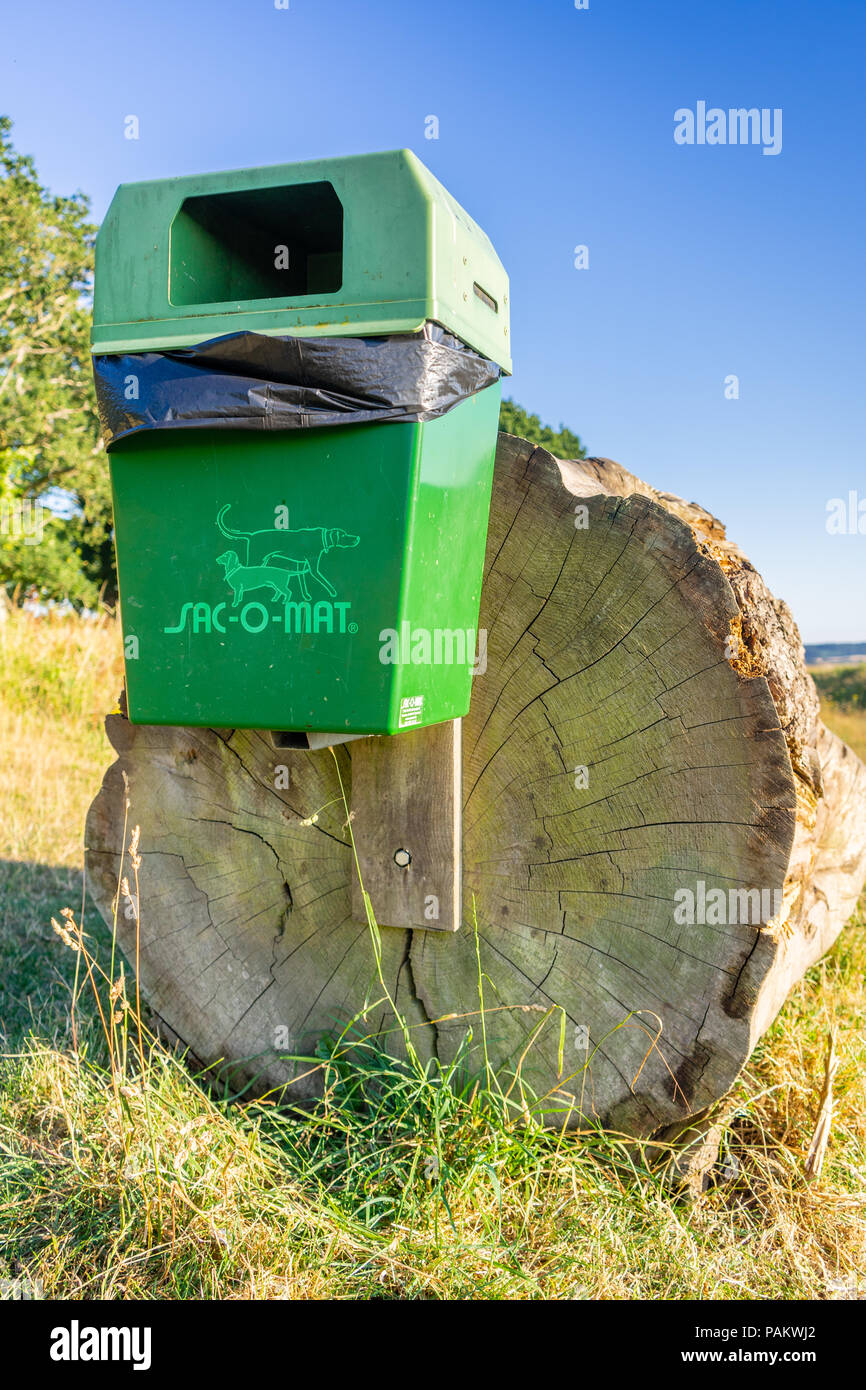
x: 268, y: 581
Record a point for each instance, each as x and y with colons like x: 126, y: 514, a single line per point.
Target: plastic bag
x: 254, y: 382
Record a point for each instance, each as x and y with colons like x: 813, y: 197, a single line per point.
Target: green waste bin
x: 297, y: 551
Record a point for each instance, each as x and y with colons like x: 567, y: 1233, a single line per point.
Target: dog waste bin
x: 298, y: 376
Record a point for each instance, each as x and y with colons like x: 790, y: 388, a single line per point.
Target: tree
x: 50, y: 450
x: 564, y: 443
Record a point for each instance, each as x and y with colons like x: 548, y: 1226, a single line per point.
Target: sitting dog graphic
x: 296, y: 553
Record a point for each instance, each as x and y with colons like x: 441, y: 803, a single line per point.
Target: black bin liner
x: 253, y: 382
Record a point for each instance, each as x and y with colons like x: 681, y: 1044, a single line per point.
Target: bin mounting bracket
x: 407, y: 820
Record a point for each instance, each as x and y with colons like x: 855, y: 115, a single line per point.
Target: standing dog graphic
x: 301, y: 550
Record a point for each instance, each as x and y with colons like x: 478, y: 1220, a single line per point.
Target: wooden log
x: 644, y: 726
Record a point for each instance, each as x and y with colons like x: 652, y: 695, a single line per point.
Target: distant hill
x: 831, y: 653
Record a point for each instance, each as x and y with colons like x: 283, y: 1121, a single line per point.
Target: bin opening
x: 262, y: 243
x: 295, y: 738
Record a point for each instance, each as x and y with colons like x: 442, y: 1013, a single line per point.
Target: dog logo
x: 246, y: 578
x: 296, y: 555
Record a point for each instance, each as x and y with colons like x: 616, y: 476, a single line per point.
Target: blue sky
x: 556, y: 130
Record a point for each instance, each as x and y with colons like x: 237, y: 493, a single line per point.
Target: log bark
x: 645, y: 722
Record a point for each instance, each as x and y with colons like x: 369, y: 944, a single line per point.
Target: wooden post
x: 407, y: 823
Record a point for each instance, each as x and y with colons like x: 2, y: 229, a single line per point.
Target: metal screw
x: 402, y: 858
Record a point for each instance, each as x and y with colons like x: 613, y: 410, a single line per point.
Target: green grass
x: 843, y: 703
x: 842, y: 686
x: 122, y: 1176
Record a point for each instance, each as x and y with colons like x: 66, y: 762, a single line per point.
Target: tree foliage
x: 50, y: 451
x: 564, y: 443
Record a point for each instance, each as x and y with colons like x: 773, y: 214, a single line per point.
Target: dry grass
x: 121, y: 1177
x: 56, y: 675
x: 850, y: 726
x: 843, y: 693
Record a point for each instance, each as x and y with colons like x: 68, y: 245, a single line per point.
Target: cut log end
x: 644, y: 729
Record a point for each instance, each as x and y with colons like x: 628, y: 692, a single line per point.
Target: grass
x: 850, y: 726
x: 844, y: 686
x: 122, y: 1176
x: 843, y: 702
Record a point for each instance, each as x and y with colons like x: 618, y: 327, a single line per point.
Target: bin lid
x: 365, y: 245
